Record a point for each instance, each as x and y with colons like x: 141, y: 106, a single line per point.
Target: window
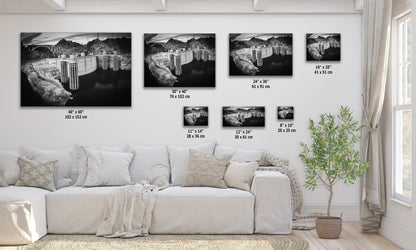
x: 402, y: 111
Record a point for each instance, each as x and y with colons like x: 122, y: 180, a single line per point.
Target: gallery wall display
x: 179, y: 60
x: 323, y: 47
x: 75, y: 69
x: 261, y: 54
x: 243, y: 116
x: 195, y: 116
x: 285, y: 112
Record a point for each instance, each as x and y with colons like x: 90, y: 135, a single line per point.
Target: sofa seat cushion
x: 178, y: 210
x: 22, y: 213
x: 76, y: 210
x: 203, y: 210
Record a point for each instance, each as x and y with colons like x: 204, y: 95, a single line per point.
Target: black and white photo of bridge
x: 75, y: 69
x: 323, y: 47
x: 285, y: 112
x: 261, y: 54
x: 195, y: 116
x: 179, y: 60
x: 243, y: 116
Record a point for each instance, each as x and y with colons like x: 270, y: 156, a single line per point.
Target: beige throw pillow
x: 2, y: 182
x: 239, y: 175
x: 206, y: 170
x: 36, y: 174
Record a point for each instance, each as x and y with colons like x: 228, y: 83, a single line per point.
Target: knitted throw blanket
x: 301, y: 221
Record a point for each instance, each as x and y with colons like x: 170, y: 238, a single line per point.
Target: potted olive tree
x: 331, y: 157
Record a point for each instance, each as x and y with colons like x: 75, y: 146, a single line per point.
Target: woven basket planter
x: 328, y: 227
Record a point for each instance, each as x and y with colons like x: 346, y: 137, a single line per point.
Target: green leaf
x: 331, y: 156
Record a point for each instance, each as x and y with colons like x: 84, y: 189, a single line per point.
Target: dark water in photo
x: 194, y: 74
x: 331, y: 54
x: 99, y: 88
x: 200, y: 121
x: 275, y: 65
x: 249, y: 122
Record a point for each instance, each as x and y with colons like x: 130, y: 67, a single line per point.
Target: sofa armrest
x: 273, y: 206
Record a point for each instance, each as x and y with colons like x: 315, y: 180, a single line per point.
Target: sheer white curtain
x: 376, y: 36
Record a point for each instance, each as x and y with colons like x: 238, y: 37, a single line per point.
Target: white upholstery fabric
x: 239, y: 155
x: 66, y: 158
x: 273, y: 211
x: 9, y: 168
x: 179, y: 157
x: 107, y: 168
x: 203, y: 210
x: 150, y: 163
x: 187, y: 210
x: 22, y: 213
x: 76, y: 210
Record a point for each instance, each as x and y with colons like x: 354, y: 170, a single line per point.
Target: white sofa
x: 27, y: 213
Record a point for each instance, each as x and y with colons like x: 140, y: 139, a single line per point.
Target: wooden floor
x: 351, y: 238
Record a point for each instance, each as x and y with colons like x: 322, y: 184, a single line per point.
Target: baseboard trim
x: 350, y: 213
x: 397, y: 233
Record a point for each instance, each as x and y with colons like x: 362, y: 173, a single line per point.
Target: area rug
x: 232, y: 242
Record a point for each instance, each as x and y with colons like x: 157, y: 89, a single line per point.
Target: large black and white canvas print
x: 261, y: 54
x: 323, y: 47
x: 179, y: 60
x: 285, y: 112
x: 195, y: 116
x: 75, y: 69
x: 243, y: 116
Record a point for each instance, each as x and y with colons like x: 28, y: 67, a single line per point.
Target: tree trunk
x: 328, y: 212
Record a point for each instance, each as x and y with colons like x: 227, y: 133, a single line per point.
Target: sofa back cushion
x: 65, y: 158
x: 239, y: 155
x: 151, y: 164
x: 179, y: 158
x: 107, y: 168
x: 9, y: 168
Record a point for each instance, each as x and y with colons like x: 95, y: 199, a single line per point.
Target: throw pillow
x: 239, y: 155
x: 9, y: 168
x: 239, y: 175
x: 151, y: 164
x: 179, y: 157
x: 36, y: 174
x: 107, y: 168
x: 206, y: 170
x: 82, y: 160
x: 65, y: 158
x: 2, y: 182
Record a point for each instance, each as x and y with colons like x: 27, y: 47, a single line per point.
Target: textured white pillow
x: 150, y: 163
x: 35, y: 173
x: 179, y: 158
x: 107, y: 168
x: 239, y: 155
x: 82, y: 159
x: 239, y: 175
x: 9, y: 168
x: 65, y: 158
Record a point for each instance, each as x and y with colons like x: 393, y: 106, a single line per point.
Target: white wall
x: 181, y: 6
x: 156, y: 119
x: 399, y: 223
